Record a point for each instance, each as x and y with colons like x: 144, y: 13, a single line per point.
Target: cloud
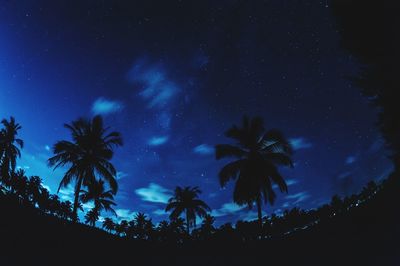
x: 289, y: 182
x: 203, y: 149
x: 300, y: 143
x: 67, y: 193
x: 154, y: 193
x: 227, y: 209
x: 46, y: 187
x: 158, y: 90
x: 157, y: 141
x: 344, y: 175
x: 160, y: 212
x: 125, y: 214
x: 299, y: 197
x: 47, y: 148
x: 250, y: 215
x: 103, y: 106
x: 88, y: 206
x: 121, y: 175
x: 351, y: 159
x: 164, y: 120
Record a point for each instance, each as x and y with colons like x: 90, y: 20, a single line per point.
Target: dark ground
x: 368, y: 235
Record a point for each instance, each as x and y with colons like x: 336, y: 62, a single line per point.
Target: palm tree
x: 44, y: 200
x: 19, y: 184
x: 108, y: 224
x: 163, y: 230
x: 35, y: 189
x: 91, y: 217
x: 208, y: 223
x: 9, y: 148
x: 258, y: 155
x: 207, y: 226
x: 65, y: 210
x: 88, y: 155
x: 122, y: 228
x: 142, y: 226
x: 103, y: 200
x: 186, y: 200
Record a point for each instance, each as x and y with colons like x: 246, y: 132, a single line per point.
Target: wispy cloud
x: 164, y: 120
x: 104, y: 106
x: 203, y: 149
x: 344, y: 175
x: 157, y: 141
x: 227, y: 209
x: 299, y: 197
x: 300, y: 143
x: 88, y: 206
x: 46, y: 187
x: 154, y: 193
x: 158, y: 90
x: 351, y: 159
x: 289, y: 182
x: 67, y: 193
x: 125, y: 214
x: 160, y: 212
x: 121, y: 175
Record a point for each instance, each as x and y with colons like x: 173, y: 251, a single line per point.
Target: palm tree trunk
x: 187, y: 223
x: 259, y: 213
x: 76, y: 200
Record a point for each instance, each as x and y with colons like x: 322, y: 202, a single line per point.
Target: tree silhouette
x: 185, y: 200
x: 207, y: 226
x: 122, y: 228
x: 91, y: 217
x: 108, y: 224
x: 9, y: 148
x: 35, y: 189
x: 163, y: 231
x: 375, y: 43
x: 142, y: 226
x: 258, y: 154
x: 102, y: 199
x: 65, y: 210
x: 88, y: 155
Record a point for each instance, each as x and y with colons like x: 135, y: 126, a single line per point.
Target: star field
x: 172, y: 76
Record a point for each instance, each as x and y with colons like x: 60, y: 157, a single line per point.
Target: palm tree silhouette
x: 35, y: 189
x: 108, y: 224
x: 122, y: 228
x: 186, y: 200
x: 91, y: 217
x: 65, y: 210
x: 258, y: 154
x: 88, y: 155
x: 103, y: 200
x: 9, y: 148
x: 207, y: 226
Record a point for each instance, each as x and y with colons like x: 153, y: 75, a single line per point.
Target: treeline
x: 87, y: 159
x: 29, y: 192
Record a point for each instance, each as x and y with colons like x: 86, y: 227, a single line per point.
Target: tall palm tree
x: 185, y: 200
x: 88, y: 155
x: 103, y: 199
x: 258, y: 155
x: 9, y: 148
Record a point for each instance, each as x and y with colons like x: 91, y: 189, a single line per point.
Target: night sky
x: 172, y: 76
